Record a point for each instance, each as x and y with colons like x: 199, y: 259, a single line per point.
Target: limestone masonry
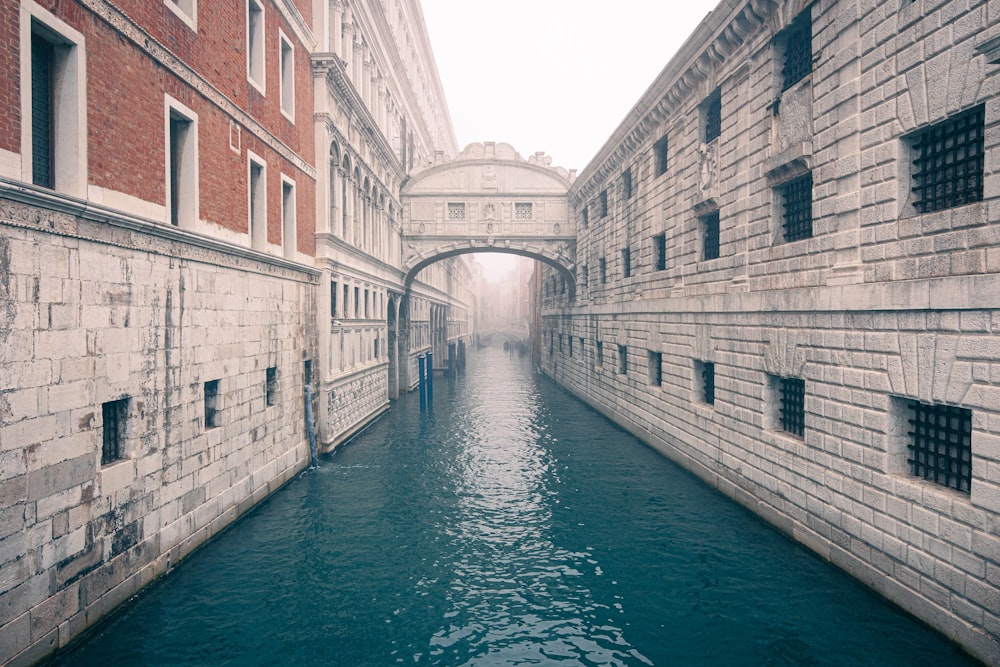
x: 781, y: 271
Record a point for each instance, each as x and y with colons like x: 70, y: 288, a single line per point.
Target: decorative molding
x: 159, y: 53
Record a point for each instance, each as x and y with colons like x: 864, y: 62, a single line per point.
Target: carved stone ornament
x: 421, y: 228
x: 489, y: 210
x: 706, y: 166
x: 555, y: 228
x: 489, y: 177
x: 489, y: 228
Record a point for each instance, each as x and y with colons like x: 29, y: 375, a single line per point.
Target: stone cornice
x: 160, y: 54
x: 333, y: 69
x: 723, y: 31
x: 68, y: 211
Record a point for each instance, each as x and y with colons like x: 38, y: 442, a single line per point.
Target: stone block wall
x: 881, y: 304
x: 100, y: 310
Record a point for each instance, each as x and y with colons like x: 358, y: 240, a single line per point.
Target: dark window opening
x: 655, y: 368
x: 948, y: 162
x: 604, y: 203
x: 115, y: 417
x: 660, y: 156
x: 357, y: 302
x: 179, y: 128
x: 627, y: 183
x: 211, y: 404
x: 603, y: 265
x: 713, y: 117
x: 307, y: 372
x: 42, y: 112
x: 798, y: 56
x: 706, y: 371
x: 626, y: 262
x: 710, y: 246
x: 793, y: 392
x: 271, y: 386
x: 333, y: 299
x: 599, y: 354
x: 586, y: 216
x: 660, y: 252
x: 622, y: 359
x: 796, y: 209
x: 941, y: 445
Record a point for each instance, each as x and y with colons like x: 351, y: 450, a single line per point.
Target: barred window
x: 660, y: 156
x: 456, y: 211
x: 796, y: 208
x: 710, y: 224
x: 948, y: 162
x: 940, y: 447
x: 626, y: 262
x: 627, y: 182
x: 655, y: 368
x: 522, y: 211
x: 713, y: 117
x: 797, y: 52
x: 660, y: 252
x: 793, y: 413
x: 705, y: 374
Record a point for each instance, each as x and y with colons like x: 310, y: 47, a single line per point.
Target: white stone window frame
x: 188, y: 216
x: 70, y: 105
x: 288, y: 217
x: 186, y: 11
x: 455, y: 211
x: 256, y: 53
x: 524, y: 208
x: 257, y: 229
x: 286, y: 76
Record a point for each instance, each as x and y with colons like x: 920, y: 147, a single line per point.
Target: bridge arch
x: 489, y: 199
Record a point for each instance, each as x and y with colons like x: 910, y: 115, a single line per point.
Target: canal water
x: 510, y: 525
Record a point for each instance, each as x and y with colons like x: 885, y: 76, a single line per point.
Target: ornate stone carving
x: 707, y: 166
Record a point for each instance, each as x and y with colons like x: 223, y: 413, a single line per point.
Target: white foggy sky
x: 552, y: 75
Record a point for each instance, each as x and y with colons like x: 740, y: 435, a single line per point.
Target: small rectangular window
x: 367, y: 311
x: 710, y: 229
x: 522, y: 211
x: 288, y: 236
x: 255, y: 44
x: 604, y: 203
x: 948, y: 162
x: 603, y: 266
x: 115, y: 419
x: 561, y: 336
x: 705, y: 379
x: 796, y: 208
x: 940, y: 444
x: 212, y: 406
x: 660, y: 156
x: 712, y: 110
x: 271, y: 386
x: 333, y: 299
x: 286, y: 70
x: 357, y: 302
x: 626, y: 262
x: 792, y: 409
x: 599, y: 353
x: 660, y: 252
x: 585, y: 216
x: 586, y: 276
x: 796, y: 50
x: 622, y: 359
x: 179, y: 130
x: 257, y: 201
x: 42, y: 111
x: 655, y: 362
x: 456, y: 210
x: 627, y: 183
x: 307, y: 372
x: 186, y: 11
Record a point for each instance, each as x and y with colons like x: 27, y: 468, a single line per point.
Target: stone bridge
x: 489, y: 199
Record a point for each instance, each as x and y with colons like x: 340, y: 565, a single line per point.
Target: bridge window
x: 795, y: 201
x: 660, y: 252
x: 522, y: 211
x: 603, y: 199
x: 456, y: 210
x: 626, y: 262
x: 627, y: 183
x: 603, y: 265
x: 660, y: 156
x: 947, y: 160
x: 622, y: 359
x: 710, y: 231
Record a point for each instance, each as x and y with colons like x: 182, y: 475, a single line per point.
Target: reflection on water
x: 510, y: 525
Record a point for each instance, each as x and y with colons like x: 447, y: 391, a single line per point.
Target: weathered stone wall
x: 95, y: 310
x: 877, y: 306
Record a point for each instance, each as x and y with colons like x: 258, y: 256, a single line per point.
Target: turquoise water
x: 511, y: 525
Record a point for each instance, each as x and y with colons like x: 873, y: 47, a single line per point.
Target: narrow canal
x: 511, y: 525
